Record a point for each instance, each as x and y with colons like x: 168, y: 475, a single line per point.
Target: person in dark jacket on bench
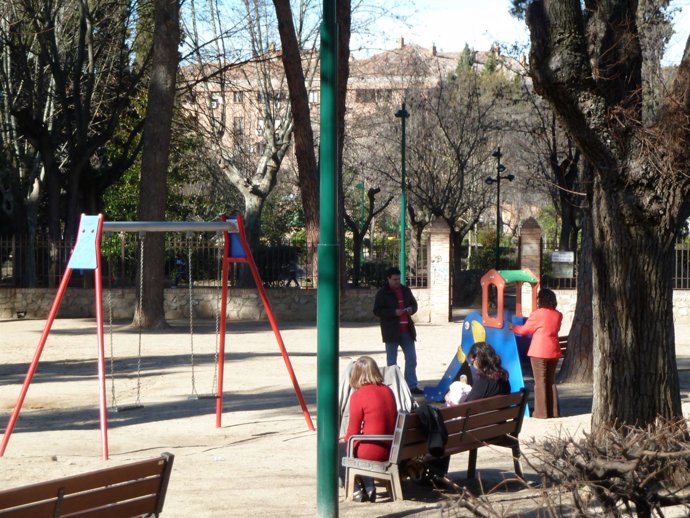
x: 491, y: 378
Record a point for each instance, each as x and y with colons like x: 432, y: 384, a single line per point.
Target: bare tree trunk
x: 635, y: 370
x: 343, y: 16
x: 577, y: 365
x: 253, y: 207
x: 305, y: 152
x: 155, y: 158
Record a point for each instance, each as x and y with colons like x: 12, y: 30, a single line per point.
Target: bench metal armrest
x: 367, y: 438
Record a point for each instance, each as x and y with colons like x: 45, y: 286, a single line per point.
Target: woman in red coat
x: 544, y: 352
x: 372, y: 412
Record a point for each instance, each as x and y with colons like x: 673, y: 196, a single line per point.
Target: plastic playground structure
x: 491, y: 326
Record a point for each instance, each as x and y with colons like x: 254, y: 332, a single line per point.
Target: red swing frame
x: 86, y: 256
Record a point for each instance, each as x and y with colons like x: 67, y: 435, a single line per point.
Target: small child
x: 458, y: 391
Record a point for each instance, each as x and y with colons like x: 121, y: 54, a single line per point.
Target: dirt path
x: 262, y: 461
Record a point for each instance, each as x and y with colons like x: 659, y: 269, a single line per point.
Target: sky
x: 449, y: 24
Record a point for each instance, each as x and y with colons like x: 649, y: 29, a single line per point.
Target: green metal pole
x: 499, y: 224
x: 328, y: 300
x: 497, y: 154
x: 403, y: 114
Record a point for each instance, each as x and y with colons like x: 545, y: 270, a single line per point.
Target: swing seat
x: 125, y: 408
x: 203, y: 396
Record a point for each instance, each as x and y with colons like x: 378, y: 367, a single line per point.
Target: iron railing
x: 40, y: 263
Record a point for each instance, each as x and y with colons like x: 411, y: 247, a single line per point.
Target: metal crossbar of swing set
x: 171, y: 226
x: 86, y: 255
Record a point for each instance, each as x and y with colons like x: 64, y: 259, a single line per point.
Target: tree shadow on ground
x: 125, y: 367
x: 282, y: 402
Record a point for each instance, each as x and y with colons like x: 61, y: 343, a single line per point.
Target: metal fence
x: 39, y: 263
x: 681, y: 272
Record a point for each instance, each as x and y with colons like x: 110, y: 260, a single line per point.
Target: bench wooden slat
x: 125, y: 491
x: 410, y: 451
x: 479, y: 436
x: 78, y: 483
x: 482, y: 405
x: 137, y: 487
x: 141, y: 506
x: 33, y: 510
x: 479, y: 420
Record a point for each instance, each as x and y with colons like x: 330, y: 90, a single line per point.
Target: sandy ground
x: 262, y: 460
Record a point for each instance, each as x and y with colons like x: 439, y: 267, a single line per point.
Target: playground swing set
x: 492, y: 327
x: 212, y: 394
x: 86, y: 256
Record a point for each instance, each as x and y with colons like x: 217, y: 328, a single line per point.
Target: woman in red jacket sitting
x: 372, y: 412
x: 544, y: 352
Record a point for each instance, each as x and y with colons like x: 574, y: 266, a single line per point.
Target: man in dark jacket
x: 395, y: 305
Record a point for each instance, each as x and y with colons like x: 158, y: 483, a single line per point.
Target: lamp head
x: 500, y: 168
x: 489, y: 180
x: 510, y: 177
x: 497, y: 153
x: 402, y: 113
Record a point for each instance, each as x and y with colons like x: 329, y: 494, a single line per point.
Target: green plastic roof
x: 517, y: 276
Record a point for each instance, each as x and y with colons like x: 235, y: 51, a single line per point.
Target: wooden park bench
x: 492, y: 421
x: 563, y: 342
x: 134, y: 489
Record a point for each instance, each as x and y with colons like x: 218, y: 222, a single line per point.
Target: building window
x: 214, y: 102
x: 260, y: 126
x: 238, y: 125
x: 237, y: 97
x: 365, y: 95
x: 217, y: 126
x: 276, y: 98
x: 314, y: 96
x: 370, y: 95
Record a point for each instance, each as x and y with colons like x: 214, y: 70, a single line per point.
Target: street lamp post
x: 402, y: 114
x: 489, y: 180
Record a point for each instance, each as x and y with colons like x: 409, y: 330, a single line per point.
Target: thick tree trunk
x: 253, y: 207
x: 635, y: 370
x: 155, y: 158
x: 587, y: 62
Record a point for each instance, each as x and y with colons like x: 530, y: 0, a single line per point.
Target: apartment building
x: 245, y: 107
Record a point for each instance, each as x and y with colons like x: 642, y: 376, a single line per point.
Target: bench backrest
x: 133, y: 489
x: 469, y: 426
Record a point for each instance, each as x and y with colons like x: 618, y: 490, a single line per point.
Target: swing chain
x: 219, y: 254
x: 190, y: 290
x: 141, y: 302
x: 110, y: 325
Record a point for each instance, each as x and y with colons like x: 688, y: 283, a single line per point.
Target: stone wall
x: 567, y: 299
x: 243, y: 304
x: 287, y: 304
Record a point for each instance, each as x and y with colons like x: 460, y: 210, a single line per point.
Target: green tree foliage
x: 283, y: 216
x: 466, y: 60
x: 68, y: 81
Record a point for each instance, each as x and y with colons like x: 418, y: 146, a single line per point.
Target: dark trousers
x: 545, y: 392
